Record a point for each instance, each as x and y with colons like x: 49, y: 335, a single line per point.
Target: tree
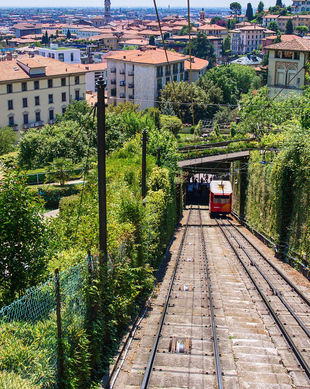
x: 59, y: 170
x: 215, y: 19
x: 273, y: 26
x: 201, y: 47
x: 231, y: 23
x: 171, y: 123
x: 152, y: 40
x: 24, y: 237
x: 289, y: 28
x: 235, y: 8
x: 68, y: 34
x: 249, y: 12
x: 302, y: 30
x: 226, y: 46
x: 7, y: 139
x: 260, y: 7
x: 279, y: 3
x: 184, y: 30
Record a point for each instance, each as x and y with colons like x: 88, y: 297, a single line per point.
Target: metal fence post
x: 144, y: 132
x: 59, y: 337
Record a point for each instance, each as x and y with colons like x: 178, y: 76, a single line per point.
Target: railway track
x: 209, y: 327
x: 288, y: 306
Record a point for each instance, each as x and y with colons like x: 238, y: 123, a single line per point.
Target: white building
x: 246, y: 39
x: 33, y: 90
x: 138, y: 76
x: 63, y: 54
x: 94, y: 71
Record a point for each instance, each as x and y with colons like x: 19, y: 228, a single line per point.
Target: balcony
x: 131, y: 97
x: 131, y: 85
x: 14, y: 127
x: 131, y: 73
x: 122, y: 71
x: 51, y: 121
x: 113, y: 70
x: 113, y: 81
x: 34, y: 124
x: 122, y: 96
x: 122, y: 83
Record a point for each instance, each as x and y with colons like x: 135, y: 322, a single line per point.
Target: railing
x: 131, y: 73
x: 122, y: 83
x: 34, y: 124
x: 131, y: 85
x: 122, y: 71
x: 113, y: 82
x: 14, y: 126
x: 131, y: 97
x: 51, y: 121
x: 122, y: 95
x: 113, y: 70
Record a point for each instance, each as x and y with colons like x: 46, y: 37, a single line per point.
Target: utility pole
x: 102, y: 176
x: 144, y: 132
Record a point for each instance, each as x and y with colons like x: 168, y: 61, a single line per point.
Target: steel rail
x: 149, y: 367
x: 298, y: 291
x: 289, y: 340
x: 274, y: 289
x: 216, y: 347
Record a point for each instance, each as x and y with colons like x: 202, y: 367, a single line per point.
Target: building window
x: 181, y: 77
x: 25, y: 118
x: 25, y: 102
x: 37, y: 100
x: 77, y: 80
x: 38, y: 116
x: 50, y: 99
x: 167, y: 70
x: 9, y: 88
x: 10, y: 104
x: 61, y: 57
x: 63, y: 96
x: 159, y: 71
x: 11, y: 120
x: 63, y: 110
x: 36, y: 85
x: 159, y: 84
x: 51, y: 114
x: 77, y: 95
x: 63, y: 82
x: 175, y: 68
x: 50, y: 83
x: 24, y: 86
x: 175, y: 78
x: 72, y: 57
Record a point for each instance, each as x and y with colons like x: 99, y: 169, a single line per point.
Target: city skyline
x: 137, y: 3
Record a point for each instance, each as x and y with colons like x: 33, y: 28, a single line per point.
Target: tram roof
x: 220, y: 187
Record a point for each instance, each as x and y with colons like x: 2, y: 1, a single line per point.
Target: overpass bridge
x: 215, y: 164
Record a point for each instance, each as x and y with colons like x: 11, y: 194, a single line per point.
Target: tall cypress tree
x: 289, y: 28
x: 249, y: 12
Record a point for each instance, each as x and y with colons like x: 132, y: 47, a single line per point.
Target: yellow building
x: 34, y: 89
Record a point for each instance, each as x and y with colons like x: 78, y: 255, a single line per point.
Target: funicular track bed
x: 252, y: 352
x: 284, y: 308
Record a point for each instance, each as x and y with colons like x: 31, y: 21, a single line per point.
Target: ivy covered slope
x: 278, y: 193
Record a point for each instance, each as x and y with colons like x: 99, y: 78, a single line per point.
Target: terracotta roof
x: 297, y: 44
x: 197, y: 64
x: 134, y: 42
x: 212, y: 27
x: 151, y: 57
x: 11, y: 71
x: 92, y: 66
x: 101, y: 36
x: 284, y: 38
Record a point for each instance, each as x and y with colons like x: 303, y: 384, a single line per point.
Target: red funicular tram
x: 220, y: 197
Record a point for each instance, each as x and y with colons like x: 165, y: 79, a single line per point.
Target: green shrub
x: 52, y: 194
x: 10, y: 159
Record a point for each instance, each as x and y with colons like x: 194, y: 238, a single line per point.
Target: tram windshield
x: 223, y: 199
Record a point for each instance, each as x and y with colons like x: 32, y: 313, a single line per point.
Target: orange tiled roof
x: 151, y: 57
x: 197, y: 64
x: 297, y: 44
x: 11, y: 71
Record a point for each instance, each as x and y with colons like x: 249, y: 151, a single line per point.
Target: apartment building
x: 138, y: 75
x: 34, y: 89
x: 300, y: 6
x: 286, y: 70
x: 246, y: 39
x: 64, y: 54
x: 22, y: 29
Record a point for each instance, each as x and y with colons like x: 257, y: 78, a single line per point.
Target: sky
x: 136, y: 3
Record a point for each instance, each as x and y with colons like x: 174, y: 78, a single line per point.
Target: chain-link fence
x: 35, y: 330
